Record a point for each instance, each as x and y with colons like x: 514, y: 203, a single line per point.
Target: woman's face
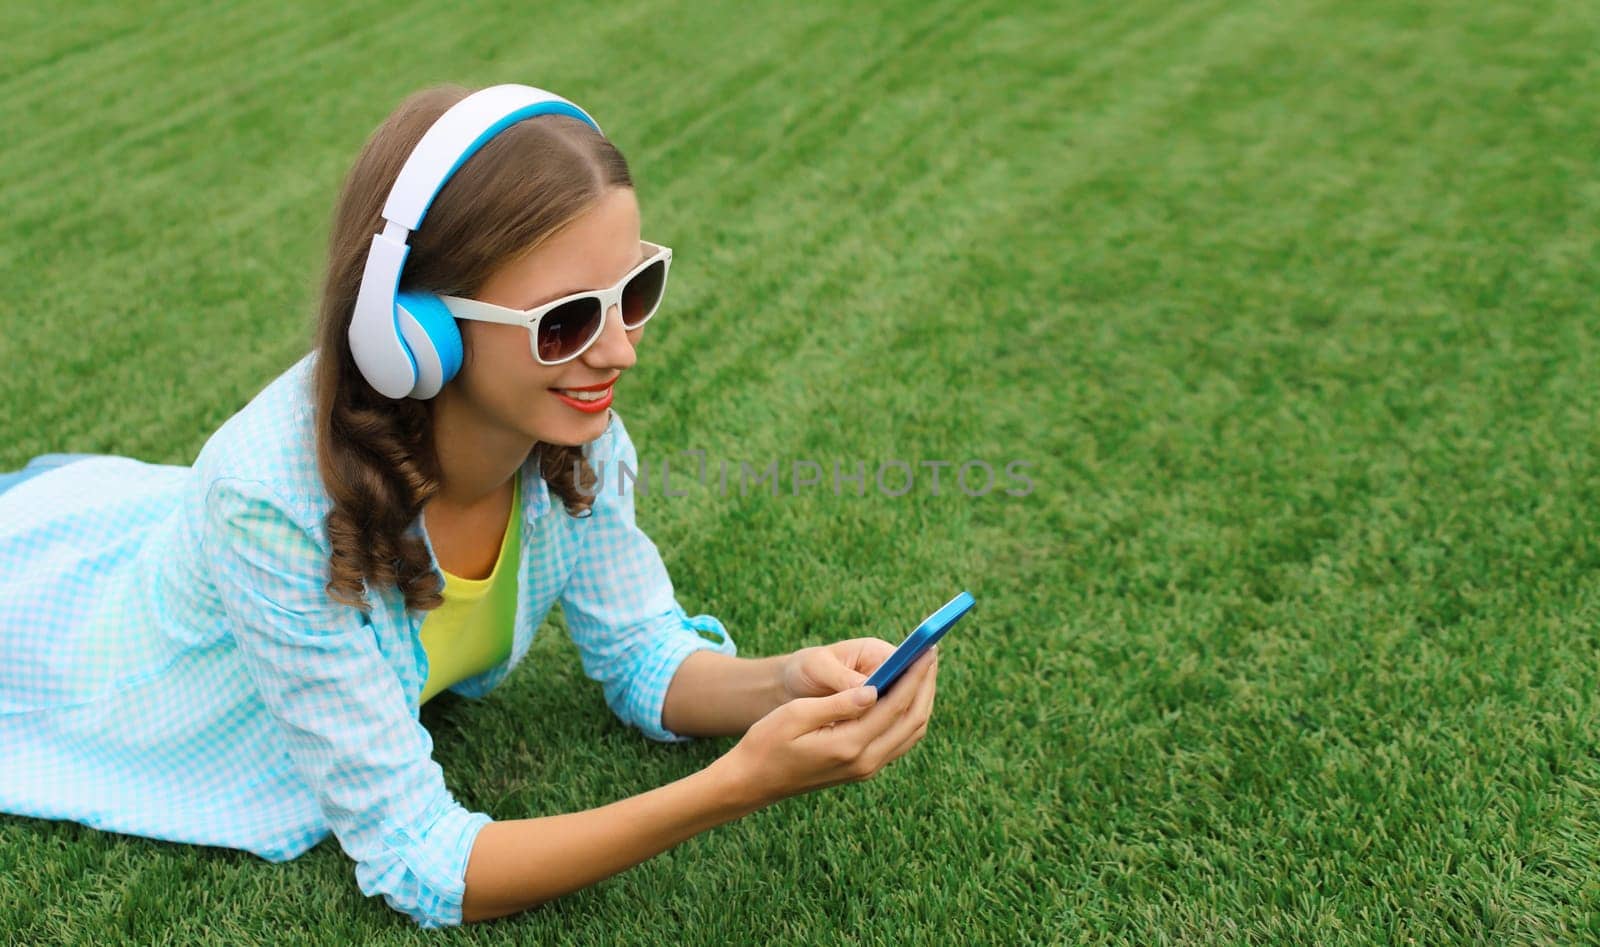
x: 502, y: 379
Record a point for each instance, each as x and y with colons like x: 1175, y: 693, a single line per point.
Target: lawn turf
x: 1291, y: 307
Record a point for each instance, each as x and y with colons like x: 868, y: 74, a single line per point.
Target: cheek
x: 499, y: 363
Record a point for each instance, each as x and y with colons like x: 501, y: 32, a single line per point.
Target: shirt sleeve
x: 343, y: 713
x: 619, y: 605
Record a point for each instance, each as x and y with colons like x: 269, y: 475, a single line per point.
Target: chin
x: 574, y: 432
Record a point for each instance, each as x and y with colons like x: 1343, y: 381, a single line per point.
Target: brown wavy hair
x: 376, y: 454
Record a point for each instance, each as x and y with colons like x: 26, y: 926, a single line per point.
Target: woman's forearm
x: 715, y: 695
x: 520, y: 863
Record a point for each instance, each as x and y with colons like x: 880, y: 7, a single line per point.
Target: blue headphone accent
x: 438, y: 325
x: 543, y: 108
x: 407, y: 343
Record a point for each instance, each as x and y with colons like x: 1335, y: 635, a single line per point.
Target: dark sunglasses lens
x: 565, y: 329
x: 643, y: 293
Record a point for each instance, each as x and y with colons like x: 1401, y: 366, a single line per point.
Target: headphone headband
x: 384, y: 335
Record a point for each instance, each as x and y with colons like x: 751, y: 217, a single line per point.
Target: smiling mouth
x: 587, y: 401
x: 581, y: 394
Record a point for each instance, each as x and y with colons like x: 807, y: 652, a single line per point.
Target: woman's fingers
x: 909, y: 727
x: 873, y: 652
x: 849, y: 739
x: 825, y: 714
x: 916, y: 734
x: 902, y: 714
x: 811, y: 743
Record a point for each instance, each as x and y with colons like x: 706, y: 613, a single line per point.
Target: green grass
x: 1292, y: 305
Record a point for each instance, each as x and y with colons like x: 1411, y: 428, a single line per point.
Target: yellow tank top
x: 472, y: 631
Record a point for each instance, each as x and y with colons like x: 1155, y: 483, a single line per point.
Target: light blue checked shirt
x: 171, y: 667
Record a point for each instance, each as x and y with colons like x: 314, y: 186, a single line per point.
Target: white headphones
x: 408, y: 344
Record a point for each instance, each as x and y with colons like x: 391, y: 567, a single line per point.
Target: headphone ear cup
x: 434, y: 338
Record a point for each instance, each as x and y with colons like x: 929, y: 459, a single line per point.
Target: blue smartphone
x: 924, y: 637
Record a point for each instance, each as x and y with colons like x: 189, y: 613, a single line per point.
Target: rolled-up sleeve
x: 619, y: 604
x: 344, y: 717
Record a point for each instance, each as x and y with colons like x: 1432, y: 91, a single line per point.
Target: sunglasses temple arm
x: 485, y: 312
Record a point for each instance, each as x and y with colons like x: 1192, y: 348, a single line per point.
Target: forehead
x: 602, y: 282
x: 593, y: 251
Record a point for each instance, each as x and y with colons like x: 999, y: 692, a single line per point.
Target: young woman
x: 234, y: 653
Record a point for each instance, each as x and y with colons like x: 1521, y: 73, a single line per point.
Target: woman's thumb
x: 817, y: 712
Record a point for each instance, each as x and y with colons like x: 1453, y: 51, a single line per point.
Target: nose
x: 612, y: 351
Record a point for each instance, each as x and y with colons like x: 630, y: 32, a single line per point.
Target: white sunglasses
x: 563, y: 329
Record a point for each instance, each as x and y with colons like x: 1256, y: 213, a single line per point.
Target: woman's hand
x: 815, y: 742
x: 828, y: 669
